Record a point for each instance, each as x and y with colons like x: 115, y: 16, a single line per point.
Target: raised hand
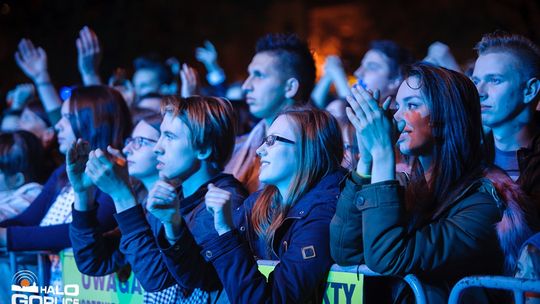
x: 32, y: 61
x: 333, y: 66
x: 188, y: 76
x: 373, y: 131
x: 20, y: 95
x: 334, y: 69
x: 218, y: 203
x: 76, y: 159
x: 89, y: 56
x: 207, y: 54
x: 439, y: 54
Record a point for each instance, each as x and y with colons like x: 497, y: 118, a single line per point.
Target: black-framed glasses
x: 271, y: 139
x: 138, y: 141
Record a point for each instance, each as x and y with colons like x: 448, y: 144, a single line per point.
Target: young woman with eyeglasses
x: 288, y: 220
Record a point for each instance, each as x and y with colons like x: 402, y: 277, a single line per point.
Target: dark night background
x: 127, y: 29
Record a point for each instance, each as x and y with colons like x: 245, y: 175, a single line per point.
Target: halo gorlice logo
x: 25, y: 282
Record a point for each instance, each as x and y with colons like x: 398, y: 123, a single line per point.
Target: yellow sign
x: 344, y: 285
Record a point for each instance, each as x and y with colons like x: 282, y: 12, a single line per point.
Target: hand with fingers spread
x: 207, y: 55
x: 108, y: 171
x: 32, y: 61
x: 76, y: 159
x: 188, y: 76
x: 89, y: 56
x: 373, y: 130
x: 218, y: 202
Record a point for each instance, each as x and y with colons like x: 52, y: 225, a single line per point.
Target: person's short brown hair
x: 210, y: 121
x: 523, y: 49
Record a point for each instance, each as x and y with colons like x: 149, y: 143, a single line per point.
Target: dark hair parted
x: 398, y: 56
x: 295, y: 60
x: 21, y: 151
x: 456, y: 126
x: 210, y: 121
x: 320, y: 151
x: 150, y: 117
x: 524, y: 51
x: 99, y: 115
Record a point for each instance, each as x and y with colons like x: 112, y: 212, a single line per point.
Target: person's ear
x: 291, y: 87
x: 47, y: 136
x: 394, y: 84
x: 204, y: 153
x: 532, y: 87
x: 15, y: 181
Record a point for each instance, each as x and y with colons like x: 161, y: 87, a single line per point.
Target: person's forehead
x: 410, y: 87
x: 375, y: 56
x: 145, y: 74
x: 283, y: 126
x: 65, y: 107
x: 265, y: 61
x: 496, y: 63
x: 173, y: 123
x: 143, y: 128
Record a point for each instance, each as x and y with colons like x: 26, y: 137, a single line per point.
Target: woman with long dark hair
x: 439, y: 223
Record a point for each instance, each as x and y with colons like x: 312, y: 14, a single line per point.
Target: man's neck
x: 513, y: 136
x: 149, y: 181
x: 197, y: 179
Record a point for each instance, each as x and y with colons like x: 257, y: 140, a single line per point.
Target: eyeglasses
x: 271, y: 139
x: 138, y: 141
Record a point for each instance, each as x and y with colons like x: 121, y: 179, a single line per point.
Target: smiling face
x: 279, y: 161
x: 176, y: 156
x: 498, y: 82
x: 139, y: 153
x: 416, y: 139
x: 66, y: 136
x: 265, y: 86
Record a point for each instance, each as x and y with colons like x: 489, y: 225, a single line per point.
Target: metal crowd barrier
x: 411, y: 280
x: 517, y: 286
x: 41, y: 256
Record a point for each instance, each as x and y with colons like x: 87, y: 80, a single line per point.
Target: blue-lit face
x: 499, y: 85
x: 146, y: 81
x: 66, y: 136
x: 265, y: 86
x: 279, y: 161
x: 176, y: 156
x: 374, y: 74
x: 416, y: 138
x: 140, y: 157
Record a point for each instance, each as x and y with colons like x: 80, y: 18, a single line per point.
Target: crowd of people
x: 418, y: 167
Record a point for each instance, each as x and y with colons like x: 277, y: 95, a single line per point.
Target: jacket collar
x: 327, y: 189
